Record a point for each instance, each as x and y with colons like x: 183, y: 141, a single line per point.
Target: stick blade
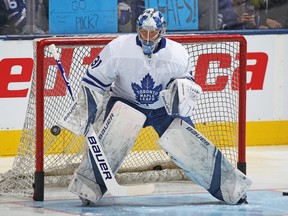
x: 131, y: 190
x: 135, y: 190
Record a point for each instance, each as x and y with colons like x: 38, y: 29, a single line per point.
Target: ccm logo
x: 16, y: 72
x: 99, y: 157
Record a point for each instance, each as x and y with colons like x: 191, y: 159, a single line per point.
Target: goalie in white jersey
x: 151, y: 74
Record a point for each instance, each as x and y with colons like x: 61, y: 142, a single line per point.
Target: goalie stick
x: 56, y: 56
x: 106, y: 171
x: 98, y: 154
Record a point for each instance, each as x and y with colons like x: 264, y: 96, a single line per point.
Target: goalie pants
x: 158, y: 118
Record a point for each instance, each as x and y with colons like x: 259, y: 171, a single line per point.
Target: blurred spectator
x: 273, y: 13
x: 227, y: 18
x: 128, y: 12
x: 124, y: 16
x: 230, y: 14
x: 137, y: 7
x: 239, y: 14
x: 13, y: 17
x: 248, y: 17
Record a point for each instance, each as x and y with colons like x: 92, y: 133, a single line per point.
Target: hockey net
x: 219, y: 66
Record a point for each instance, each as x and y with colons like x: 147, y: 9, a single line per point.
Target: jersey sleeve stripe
x: 97, y: 81
x: 93, y: 84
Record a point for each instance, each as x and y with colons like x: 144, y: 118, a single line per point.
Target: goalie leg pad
x: 83, y: 183
x: 204, y: 163
x: 117, y: 136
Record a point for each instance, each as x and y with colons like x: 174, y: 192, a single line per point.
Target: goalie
x: 151, y: 74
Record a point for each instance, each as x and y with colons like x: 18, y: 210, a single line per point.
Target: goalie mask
x: 151, y: 27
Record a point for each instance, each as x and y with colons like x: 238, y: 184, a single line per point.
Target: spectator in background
x: 232, y: 15
x: 227, y: 18
x: 124, y: 16
x: 237, y: 15
x: 137, y: 7
x: 273, y: 13
x: 128, y: 12
x: 13, y: 17
x: 248, y: 17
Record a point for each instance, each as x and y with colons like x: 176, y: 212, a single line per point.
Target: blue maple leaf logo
x: 146, y: 93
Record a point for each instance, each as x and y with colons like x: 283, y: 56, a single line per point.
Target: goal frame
x: 40, y: 83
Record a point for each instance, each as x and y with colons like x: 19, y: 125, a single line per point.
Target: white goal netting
x: 218, y: 65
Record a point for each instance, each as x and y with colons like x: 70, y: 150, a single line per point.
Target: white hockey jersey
x: 123, y: 68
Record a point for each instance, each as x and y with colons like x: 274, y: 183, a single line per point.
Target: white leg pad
x: 117, y: 136
x: 84, y: 184
x: 203, y: 162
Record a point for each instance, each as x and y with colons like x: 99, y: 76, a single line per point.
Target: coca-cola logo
x: 16, y: 73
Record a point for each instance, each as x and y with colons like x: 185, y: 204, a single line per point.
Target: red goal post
x: 219, y: 66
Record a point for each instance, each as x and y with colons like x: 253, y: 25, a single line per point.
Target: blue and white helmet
x: 151, y: 20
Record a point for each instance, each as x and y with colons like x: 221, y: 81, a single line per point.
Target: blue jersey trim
x: 93, y: 84
x: 97, y: 81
